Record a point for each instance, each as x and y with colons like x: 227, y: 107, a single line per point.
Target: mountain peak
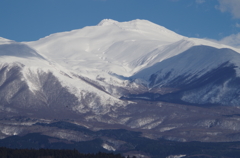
x: 134, y: 24
x: 141, y: 26
x: 105, y: 22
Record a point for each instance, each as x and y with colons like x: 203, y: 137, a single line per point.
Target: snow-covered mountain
x: 113, y: 60
x: 112, y: 72
x: 141, y: 57
x: 90, y: 69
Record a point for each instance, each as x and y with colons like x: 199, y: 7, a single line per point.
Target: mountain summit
x: 120, y: 47
x: 105, y: 22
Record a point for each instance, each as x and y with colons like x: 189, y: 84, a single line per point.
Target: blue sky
x: 28, y: 20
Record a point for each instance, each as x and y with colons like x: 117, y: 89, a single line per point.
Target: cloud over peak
x: 232, y: 6
x: 200, y: 1
x: 232, y: 40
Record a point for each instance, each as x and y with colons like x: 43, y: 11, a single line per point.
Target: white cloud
x: 232, y: 6
x: 200, y: 1
x: 232, y: 40
x: 237, y: 25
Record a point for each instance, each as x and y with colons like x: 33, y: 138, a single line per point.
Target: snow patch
x: 164, y: 129
x: 8, y: 130
x: 108, y: 147
x: 176, y: 156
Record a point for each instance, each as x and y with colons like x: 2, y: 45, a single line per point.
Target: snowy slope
x: 196, y: 61
x: 28, y: 79
x: 200, y: 75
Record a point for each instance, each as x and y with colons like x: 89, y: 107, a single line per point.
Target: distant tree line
x: 52, y: 153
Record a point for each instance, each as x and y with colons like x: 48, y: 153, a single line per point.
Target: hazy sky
x: 28, y: 20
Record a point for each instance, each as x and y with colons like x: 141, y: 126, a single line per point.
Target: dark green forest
x: 36, y: 145
x: 51, y: 153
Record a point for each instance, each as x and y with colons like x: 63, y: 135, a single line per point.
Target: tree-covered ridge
x: 125, y: 142
x: 51, y: 153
